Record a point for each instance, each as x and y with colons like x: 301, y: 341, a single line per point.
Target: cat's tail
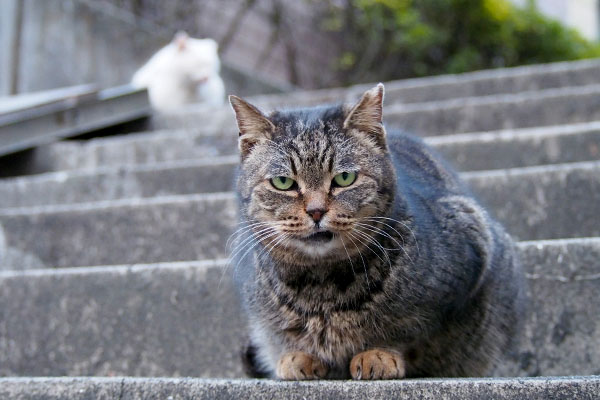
x: 251, y: 366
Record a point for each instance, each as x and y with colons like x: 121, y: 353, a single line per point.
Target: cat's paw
x: 377, y: 364
x: 300, y: 366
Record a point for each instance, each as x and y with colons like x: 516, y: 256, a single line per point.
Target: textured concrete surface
x: 520, y: 147
x: 566, y: 388
x: 523, y: 110
x: 159, y: 320
x: 546, y: 202
x: 217, y: 174
x: 181, y: 319
x: 562, y: 332
x: 533, y: 203
x: 121, y: 232
x: 140, y: 148
x: 445, y: 87
x: 474, y: 151
x: 471, y: 114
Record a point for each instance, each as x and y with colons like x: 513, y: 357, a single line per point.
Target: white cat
x: 184, y: 71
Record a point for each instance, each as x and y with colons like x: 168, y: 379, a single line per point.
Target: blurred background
x: 144, y: 217
x: 274, y: 45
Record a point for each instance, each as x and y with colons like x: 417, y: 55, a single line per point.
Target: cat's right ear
x: 180, y: 40
x: 367, y: 115
x: 253, y: 125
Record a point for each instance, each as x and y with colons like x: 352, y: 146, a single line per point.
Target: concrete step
x: 168, y: 228
x: 545, y: 202
x: 144, y: 166
x: 552, y: 202
x: 472, y: 114
x: 520, y: 147
x: 560, y: 388
x: 212, y: 174
x: 192, y: 177
x: 182, y: 319
x: 447, y: 87
x: 474, y: 151
x: 139, y: 148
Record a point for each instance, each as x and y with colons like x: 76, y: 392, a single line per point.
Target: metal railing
x: 36, y: 119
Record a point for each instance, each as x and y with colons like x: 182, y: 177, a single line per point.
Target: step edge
x: 225, y: 262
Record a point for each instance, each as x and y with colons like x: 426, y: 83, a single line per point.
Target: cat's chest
x: 334, y: 336
x: 323, y: 320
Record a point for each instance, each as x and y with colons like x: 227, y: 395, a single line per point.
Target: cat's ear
x: 180, y: 40
x: 367, y: 115
x: 253, y: 125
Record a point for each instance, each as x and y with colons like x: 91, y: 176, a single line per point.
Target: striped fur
x: 415, y: 266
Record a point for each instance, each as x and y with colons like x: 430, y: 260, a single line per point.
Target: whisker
x: 348, y: 254
x: 250, y: 238
x: 258, y: 237
x: 358, y: 235
x: 249, y: 243
x: 258, y: 240
x: 401, y: 223
x: 271, y: 246
x: 241, y: 231
x: 377, y: 244
x: 374, y: 229
x: 382, y: 232
x: 364, y: 265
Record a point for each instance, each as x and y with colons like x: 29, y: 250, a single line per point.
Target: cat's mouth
x: 320, y: 237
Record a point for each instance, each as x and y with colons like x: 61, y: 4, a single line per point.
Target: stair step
x: 139, y: 148
x: 183, y: 319
x: 544, y: 202
x: 198, y: 174
x: 520, y: 147
x: 510, y: 111
x: 473, y: 114
x: 559, y: 388
x: 552, y: 202
x: 446, y: 87
x: 169, y: 228
x: 207, y: 175
x: 474, y: 151
x: 168, y: 320
x: 213, y: 174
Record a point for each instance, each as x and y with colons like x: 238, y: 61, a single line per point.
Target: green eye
x: 282, y: 182
x: 344, y: 179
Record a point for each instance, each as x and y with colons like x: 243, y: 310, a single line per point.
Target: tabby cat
x: 361, y: 253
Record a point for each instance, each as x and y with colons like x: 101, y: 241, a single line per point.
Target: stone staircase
x: 113, y: 262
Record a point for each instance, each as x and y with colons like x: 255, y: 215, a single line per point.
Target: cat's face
x: 313, y: 181
x: 196, y: 59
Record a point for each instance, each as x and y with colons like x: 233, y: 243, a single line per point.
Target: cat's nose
x: 316, y: 205
x: 316, y: 213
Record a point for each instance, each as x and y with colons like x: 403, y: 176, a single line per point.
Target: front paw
x: 377, y: 364
x: 300, y: 366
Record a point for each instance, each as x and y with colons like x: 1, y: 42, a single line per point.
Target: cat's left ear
x: 180, y: 40
x: 253, y: 125
x: 367, y: 115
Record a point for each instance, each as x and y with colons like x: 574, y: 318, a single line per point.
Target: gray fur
x: 429, y: 274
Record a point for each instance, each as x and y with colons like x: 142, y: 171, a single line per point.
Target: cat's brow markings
x: 293, y: 164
